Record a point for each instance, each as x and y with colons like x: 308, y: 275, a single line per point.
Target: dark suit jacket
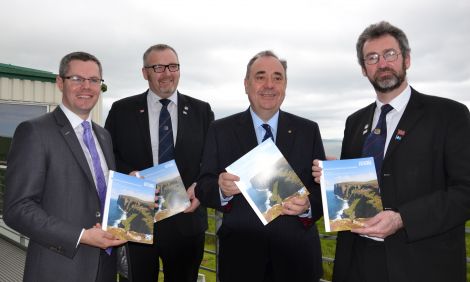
x: 50, y: 196
x: 128, y: 124
x: 299, y: 141
x: 426, y: 176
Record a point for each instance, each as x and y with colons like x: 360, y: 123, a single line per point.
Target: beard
x: 389, y: 82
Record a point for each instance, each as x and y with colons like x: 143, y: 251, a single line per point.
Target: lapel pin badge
x: 365, y: 129
x: 400, y: 134
x: 186, y: 108
x: 141, y: 111
x: 289, y: 131
x: 185, y: 113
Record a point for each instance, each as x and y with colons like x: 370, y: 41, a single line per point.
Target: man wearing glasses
x: 154, y: 127
x: 424, y: 176
x: 56, y: 182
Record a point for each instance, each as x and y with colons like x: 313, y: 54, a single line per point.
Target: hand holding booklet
x: 172, y: 196
x: 350, y: 193
x: 129, y: 208
x: 266, y: 180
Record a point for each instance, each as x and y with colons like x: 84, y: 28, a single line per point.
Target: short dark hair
x: 266, y: 53
x: 378, y: 30
x: 158, y: 47
x: 80, y: 56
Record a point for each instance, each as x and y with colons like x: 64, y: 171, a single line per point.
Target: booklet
x: 350, y: 193
x: 172, y: 196
x: 266, y: 180
x: 129, y: 208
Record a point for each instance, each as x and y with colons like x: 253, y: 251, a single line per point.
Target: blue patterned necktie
x: 268, y: 133
x: 374, y: 146
x: 165, y: 134
x: 95, y: 158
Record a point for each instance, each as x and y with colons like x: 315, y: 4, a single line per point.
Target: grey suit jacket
x: 51, y: 196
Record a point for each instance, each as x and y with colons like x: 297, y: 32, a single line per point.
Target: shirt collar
x: 398, y: 103
x: 156, y: 99
x: 73, y: 118
x: 257, y: 121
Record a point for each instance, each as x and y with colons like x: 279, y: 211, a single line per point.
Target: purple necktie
x: 95, y: 158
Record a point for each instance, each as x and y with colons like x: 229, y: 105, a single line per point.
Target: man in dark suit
x: 424, y: 178
x: 134, y: 126
x: 288, y: 248
x: 51, y: 183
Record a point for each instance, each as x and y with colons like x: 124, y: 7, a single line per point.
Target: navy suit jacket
x: 51, y: 196
x: 426, y: 176
x: 128, y: 124
x: 300, y: 142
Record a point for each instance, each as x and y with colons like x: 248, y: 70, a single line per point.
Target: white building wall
x: 27, y: 91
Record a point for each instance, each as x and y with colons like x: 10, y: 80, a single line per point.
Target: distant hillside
x: 363, y: 198
x: 139, y: 214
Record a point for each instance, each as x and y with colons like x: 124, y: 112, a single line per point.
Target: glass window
x: 10, y: 116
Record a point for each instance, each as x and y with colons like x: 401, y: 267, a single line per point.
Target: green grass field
x: 328, y: 250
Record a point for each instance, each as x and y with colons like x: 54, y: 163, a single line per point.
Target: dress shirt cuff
x: 80, y: 237
x: 306, y: 214
x: 224, y: 200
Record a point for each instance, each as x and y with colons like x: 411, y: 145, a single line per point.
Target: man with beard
x: 423, y: 169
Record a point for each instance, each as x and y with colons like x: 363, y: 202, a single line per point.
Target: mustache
x: 385, y: 69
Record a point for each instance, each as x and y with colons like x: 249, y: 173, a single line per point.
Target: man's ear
x: 60, y: 83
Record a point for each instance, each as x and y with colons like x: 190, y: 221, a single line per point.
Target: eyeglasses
x: 161, y: 68
x: 389, y: 56
x: 78, y: 80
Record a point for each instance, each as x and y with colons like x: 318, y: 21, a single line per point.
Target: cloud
x: 215, y: 40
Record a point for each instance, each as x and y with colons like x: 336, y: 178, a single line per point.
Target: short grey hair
x: 378, y: 30
x: 266, y: 53
x: 158, y: 47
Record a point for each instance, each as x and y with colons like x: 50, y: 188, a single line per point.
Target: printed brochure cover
x: 266, y: 180
x: 350, y: 193
x: 129, y: 208
x: 172, y: 197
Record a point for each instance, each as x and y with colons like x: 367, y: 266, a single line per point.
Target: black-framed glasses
x: 78, y: 80
x: 389, y: 56
x: 161, y: 68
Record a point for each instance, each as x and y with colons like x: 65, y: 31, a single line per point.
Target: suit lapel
x: 105, y: 148
x: 286, y: 133
x: 142, y: 115
x: 184, y: 116
x: 412, y: 114
x: 245, y: 132
x: 71, y: 139
x: 364, y: 127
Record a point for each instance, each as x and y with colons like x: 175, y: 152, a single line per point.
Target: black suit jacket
x: 128, y: 124
x: 426, y: 176
x: 300, y: 142
x: 51, y: 195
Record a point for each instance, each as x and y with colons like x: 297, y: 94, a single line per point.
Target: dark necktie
x: 268, y: 133
x: 165, y: 134
x: 95, y: 158
x: 374, y: 146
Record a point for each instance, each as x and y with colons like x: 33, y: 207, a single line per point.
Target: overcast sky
x: 215, y: 40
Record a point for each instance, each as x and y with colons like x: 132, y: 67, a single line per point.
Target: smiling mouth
x: 269, y: 95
